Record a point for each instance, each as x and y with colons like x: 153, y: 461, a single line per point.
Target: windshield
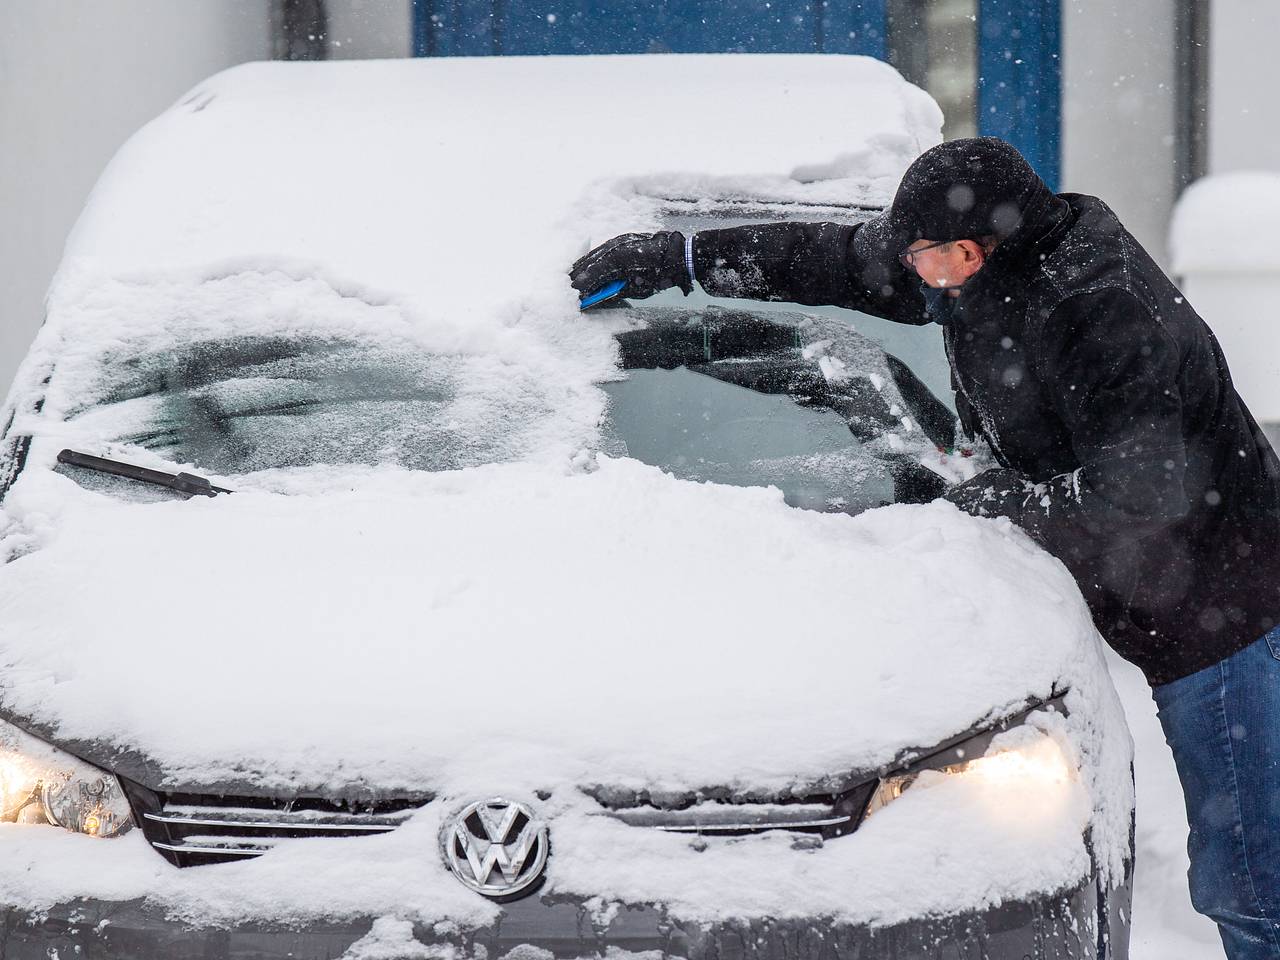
x: 253, y: 403
x: 699, y: 428
x: 750, y: 397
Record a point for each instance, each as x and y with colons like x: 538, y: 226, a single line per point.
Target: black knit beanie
x: 959, y: 190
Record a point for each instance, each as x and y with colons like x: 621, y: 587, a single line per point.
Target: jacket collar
x: 1013, y: 263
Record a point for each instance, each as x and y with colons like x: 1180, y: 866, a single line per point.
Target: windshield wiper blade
x: 187, y: 483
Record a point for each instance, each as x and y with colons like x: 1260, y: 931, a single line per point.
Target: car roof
x: 469, y: 182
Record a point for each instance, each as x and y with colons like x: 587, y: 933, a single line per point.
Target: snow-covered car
x: 364, y: 598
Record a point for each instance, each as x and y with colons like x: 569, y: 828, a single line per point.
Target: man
x: 1124, y: 450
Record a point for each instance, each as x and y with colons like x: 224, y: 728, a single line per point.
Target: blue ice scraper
x: 604, y: 293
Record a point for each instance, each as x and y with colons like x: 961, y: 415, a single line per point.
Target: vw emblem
x: 496, y: 847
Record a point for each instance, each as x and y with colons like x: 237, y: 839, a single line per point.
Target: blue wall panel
x: 643, y: 26
x: 455, y: 28
x: 1019, y: 44
x: 856, y: 27
x: 1020, y: 79
x: 482, y: 27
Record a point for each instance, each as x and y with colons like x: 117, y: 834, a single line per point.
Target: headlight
x: 1021, y: 759
x: 41, y: 784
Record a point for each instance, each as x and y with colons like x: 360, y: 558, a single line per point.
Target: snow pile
x: 391, y: 939
x: 1226, y: 223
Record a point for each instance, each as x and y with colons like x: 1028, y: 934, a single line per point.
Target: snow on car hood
x: 517, y: 627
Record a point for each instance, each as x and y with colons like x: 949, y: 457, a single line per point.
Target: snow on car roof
x: 467, y: 182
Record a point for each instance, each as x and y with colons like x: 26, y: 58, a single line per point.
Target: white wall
x: 1244, y: 111
x: 370, y: 29
x: 1236, y: 305
x: 1118, y: 107
x: 1244, y: 116
x: 77, y: 77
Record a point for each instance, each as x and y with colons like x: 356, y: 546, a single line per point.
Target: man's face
x: 946, y: 263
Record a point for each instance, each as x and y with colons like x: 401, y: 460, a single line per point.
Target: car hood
x: 515, y: 627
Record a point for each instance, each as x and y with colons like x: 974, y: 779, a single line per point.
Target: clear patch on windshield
x: 756, y: 397
x: 253, y: 403
x: 699, y: 428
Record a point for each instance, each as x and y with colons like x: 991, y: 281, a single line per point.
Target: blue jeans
x: 1223, y: 724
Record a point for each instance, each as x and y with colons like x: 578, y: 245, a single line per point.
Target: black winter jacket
x: 1125, y: 449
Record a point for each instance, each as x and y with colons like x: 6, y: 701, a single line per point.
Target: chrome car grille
x: 189, y: 830
x: 721, y: 818
x: 827, y: 816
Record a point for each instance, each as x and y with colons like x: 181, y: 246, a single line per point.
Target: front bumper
x: 1079, y: 923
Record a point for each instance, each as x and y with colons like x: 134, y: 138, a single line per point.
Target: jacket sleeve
x: 810, y: 263
x: 1112, y: 371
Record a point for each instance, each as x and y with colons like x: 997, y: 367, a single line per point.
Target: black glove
x: 648, y: 262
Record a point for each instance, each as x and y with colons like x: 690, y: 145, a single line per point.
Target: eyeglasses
x: 907, y: 256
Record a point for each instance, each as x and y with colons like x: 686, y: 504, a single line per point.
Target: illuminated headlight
x: 41, y: 784
x: 1023, y: 760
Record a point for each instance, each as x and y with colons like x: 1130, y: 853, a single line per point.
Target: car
x: 365, y: 597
